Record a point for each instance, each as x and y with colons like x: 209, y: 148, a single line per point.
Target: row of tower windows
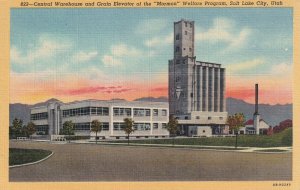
x: 178, y: 49
x: 186, y: 24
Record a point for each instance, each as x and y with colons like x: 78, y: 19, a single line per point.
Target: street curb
x: 188, y: 148
x: 31, y: 163
x: 182, y: 148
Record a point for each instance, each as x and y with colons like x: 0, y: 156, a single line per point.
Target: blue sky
x: 120, y: 46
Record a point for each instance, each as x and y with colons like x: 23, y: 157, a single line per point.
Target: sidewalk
x: 202, y: 147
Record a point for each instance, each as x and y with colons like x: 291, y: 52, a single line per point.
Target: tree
x: 96, y: 127
x: 172, y: 127
x: 283, y: 125
x: 128, y: 129
x: 30, y: 128
x: 17, y: 125
x: 68, y: 129
x: 235, y: 122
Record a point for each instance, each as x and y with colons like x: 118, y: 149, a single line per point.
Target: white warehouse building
x: 150, y: 118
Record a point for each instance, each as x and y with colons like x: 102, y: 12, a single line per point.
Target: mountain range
x: 272, y: 114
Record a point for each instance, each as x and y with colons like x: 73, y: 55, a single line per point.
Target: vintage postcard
x: 149, y: 94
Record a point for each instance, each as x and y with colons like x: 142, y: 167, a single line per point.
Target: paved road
x: 90, y: 162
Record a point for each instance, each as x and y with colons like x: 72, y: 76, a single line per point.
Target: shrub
x: 72, y: 138
x: 287, y: 137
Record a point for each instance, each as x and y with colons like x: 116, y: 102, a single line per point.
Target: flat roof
x: 112, y: 103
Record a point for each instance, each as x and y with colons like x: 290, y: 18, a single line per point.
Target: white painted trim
x: 31, y: 163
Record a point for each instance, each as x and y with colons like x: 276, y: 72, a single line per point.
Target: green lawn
x: 277, y: 140
x: 22, y: 156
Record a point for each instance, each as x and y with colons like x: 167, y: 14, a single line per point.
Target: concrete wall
x: 200, y: 131
x: 198, y: 117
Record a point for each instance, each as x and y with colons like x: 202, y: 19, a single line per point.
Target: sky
x: 77, y: 54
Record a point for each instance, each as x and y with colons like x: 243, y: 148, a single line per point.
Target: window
x: 140, y: 112
x: 93, y: 110
x: 197, y: 117
x: 178, y: 78
x: 147, y: 112
x: 116, y: 127
x: 42, y: 128
x: 190, y: 49
x: 221, y: 118
x: 191, y: 25
x: 203, y: 131
x: 122, y: 111
x: 185, y: 24
x: 83, y: 111
x: 86, y: 111
x: 209, y: 118
x: 105, y: 111
x: 122, y: 126
x: 155, y: 125
x: 163, y: 125
x: 185, y: 32
x: 186, y: 117
x: 177, y: 36
x: 177, y: 49
x: 39, y: 116
x: 155, y: 112
x: 119, y: 126
x: 100, y: 111
x: 142, y: 126
x: 116, y: 112
x: 66, y: 113
x: 82, y: 126
x: 164, y: 112
x: 177, y: 61
x: 74, y: 112
x: 105, y: 126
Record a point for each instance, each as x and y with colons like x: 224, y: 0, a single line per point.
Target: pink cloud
x: 160, y: 89
x: 95, y: 89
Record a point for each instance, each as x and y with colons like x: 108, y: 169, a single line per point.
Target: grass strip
x: 22, y: 156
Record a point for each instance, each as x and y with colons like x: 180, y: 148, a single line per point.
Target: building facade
x: 255, y: 129
x: 150, y: 118
x: 196, y: 88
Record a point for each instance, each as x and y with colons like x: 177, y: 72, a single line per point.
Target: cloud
x: 247, y: 65
x: 282, y: 68
x: 109, y: 60
x: 150, y: 26
x: 46, y: 48
x: 120, y: 52
x: 124, y: 50
x: 224, y: 30
x: 97, y: 89
x: 85, y: 56
x: 160, y: 89
x: 160, y: 41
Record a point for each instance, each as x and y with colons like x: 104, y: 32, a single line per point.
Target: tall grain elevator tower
x: 196, y: 88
